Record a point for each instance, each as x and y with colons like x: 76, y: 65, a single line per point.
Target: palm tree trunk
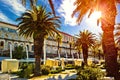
x: 58, y: 50
x: 85, y: 53
x: 38, y: 51
x: 108, y: 10
x: 70, y: 49
x: 99, y: 55
x: 110, y: 54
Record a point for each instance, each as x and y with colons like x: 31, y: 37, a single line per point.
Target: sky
x: 10, y: 10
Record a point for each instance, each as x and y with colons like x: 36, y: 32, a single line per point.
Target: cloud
x: 14, y: 6
x: 4, y: 18
x: 65, y: 10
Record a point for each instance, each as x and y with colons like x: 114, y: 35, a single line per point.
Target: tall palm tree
x: 100, y: 44
x: 70, y: 46
x: 85, y: 40
x: 33, y: 4
x: 59, y: 41
x: 38, y: 24
x: 95, y: 49
x: 78, y: 48
x: 108, y: 12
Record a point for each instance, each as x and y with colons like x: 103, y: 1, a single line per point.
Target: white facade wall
x: 51, y: 44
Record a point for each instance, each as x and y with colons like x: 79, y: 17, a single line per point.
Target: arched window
x: 9, y: 43
x: 15, y: 44
x: 1, y: 43
x: 32, y: 47
x: 21, y: 45
x: 27, y: 47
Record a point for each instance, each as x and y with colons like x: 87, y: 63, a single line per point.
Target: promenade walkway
x: 65, y: 75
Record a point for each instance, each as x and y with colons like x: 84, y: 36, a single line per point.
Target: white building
x: 9, y: 36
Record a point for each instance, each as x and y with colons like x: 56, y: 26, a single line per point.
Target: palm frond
x: 32, y: 3
x: 83, y: 7
x: 38, y: 23
x: 86, y: 38
x: 52, y: 7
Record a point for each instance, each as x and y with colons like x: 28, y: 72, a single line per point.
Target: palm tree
x: 100, y: 42
x: 59, y: 41
x: 95, y: 49
x: 33, y: 4
x: 85, y: 40
x: 38, y: 24
x: 108, y: 12
x: 70, y: 45
x: 78, y: 48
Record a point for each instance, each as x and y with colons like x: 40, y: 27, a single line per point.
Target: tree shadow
x: 60, y: 77
x: 67, y: 77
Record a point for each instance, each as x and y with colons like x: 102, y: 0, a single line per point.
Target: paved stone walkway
x: 65, y: 75
x: 5, y: 76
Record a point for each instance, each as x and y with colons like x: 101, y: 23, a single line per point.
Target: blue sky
x: 12, y: 9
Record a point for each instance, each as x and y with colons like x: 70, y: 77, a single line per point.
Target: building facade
x: 10, y: 36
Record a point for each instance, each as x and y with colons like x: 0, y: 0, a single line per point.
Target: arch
x: 15, y: 44
x: 2, y: 43
x: 28, y: 47
x: 9, y: 43
x: 32, y: 47
x: 21, y: 44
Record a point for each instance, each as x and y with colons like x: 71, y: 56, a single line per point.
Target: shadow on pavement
x: 65, y: 78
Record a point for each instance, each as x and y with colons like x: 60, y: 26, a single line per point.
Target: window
x: 21, y: 45
x: 32, y: 47
x: 4, y: 29
x: 1, y: 43
x: 27, y: 47
x: 7, y: 29
x: 15, y: 44
x: 9, y: 43
x: 11, y: 30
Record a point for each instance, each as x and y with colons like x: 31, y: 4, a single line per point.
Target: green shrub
x: 78, y: 67
x: 26, y: 70
x: 19, y: 53
x: 54, y: 71
x: 89, y: 73
x: 69, y: 66
x: 63, y: 69
x: 102, y: 65
x: 58, y: 70
x: 45, y: 70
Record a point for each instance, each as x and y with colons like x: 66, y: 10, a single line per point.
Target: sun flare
x: 96, y: 15
x: 92, y: 22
